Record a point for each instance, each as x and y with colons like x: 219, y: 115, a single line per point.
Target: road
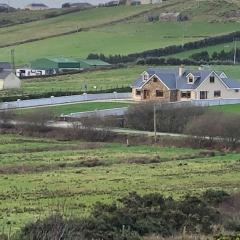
x: 64, y: 124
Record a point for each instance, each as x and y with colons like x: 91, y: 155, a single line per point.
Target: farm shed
x: 36, y: 7
x: 92, y: 63
x: 53, y: 65
x: 8, y: 80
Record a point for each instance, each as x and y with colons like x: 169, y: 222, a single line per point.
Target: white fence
x: 99, y: 113
x: 62, y: 100
x: 215, y: 102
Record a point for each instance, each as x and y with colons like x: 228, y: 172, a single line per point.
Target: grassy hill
x: 43, y: 176
x: 23, y: 16
x: 129, y: 36
x: 65, y: 23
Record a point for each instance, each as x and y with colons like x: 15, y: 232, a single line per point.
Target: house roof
x: 4, y: 73
x: 171, y: 78
x: 37, y: 5
x: 5, y: 65
x: 94, y: 62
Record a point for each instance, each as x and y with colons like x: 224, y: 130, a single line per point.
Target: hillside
x: 24, y: 16
x: 67, y: 23
x: 125, y: 36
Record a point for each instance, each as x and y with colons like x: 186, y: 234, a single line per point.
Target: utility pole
x: 154, y: 122
x: 13, y: 60
x: 235, y: 52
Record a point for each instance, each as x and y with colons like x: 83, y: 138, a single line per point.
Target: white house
x: 8, y: 80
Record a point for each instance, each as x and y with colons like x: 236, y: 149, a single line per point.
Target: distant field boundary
x: 87, y: 28
x: 169, y: 50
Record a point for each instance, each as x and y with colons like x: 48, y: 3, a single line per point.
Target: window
x: 145, y: 77
x: 203, y: 94
x: 138, y: 92
x: 217, y: 93
x: 155, y: 79
x: 159, y: 93
x: 186, y: 94
x: 236, y: 90
x: 190, y: 79
x: 212, y: 79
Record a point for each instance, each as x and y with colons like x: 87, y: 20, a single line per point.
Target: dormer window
x: 190, y: 79
x: 145, y: 76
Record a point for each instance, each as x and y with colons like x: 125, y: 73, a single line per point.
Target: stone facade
x: 155, y: 90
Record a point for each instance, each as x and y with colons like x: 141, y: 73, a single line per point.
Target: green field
x: 117, y: 39
x: 23, y: 16
x: 66, y: 23
x: 227, y: 47
x: 77, y: 107
x: 127, y: 36
x: 233, y: 108
x: 42, y: 176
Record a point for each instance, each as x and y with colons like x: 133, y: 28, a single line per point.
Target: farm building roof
x: 5, y: 65
x: 62, y: 60
x: 94, y: 62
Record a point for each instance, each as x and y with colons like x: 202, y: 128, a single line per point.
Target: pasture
x: 68, y: 22
x: 124, y: 38
x: 233, y: 108
x: 227, y: 47
x: 76, y: 107
x: 43, y: 176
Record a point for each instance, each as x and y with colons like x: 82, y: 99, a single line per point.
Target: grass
x: 233, y: 108
x: 124, y: 38
x: 78, y: 107
x: 227, y: 47
x: 130, y: 36
x: 23, y: 16
x: 66, y: 23
x: 41, y: 176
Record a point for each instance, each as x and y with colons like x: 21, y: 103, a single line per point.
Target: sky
x: 50, y: 3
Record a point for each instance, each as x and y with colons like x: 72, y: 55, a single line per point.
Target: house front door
x: 146, y: 94
x: 203, y: 94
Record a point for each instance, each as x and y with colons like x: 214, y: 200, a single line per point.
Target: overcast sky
x: 50, y: 3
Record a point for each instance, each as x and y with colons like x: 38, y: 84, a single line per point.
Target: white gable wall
x: 11, y: 82
x: 218, y: 85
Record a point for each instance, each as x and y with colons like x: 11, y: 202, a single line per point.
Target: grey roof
x: 37, y: 5
x: 5, y: 65
x: 4, y: 73
x: 172, y: 80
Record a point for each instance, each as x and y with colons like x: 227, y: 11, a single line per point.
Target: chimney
x: 181, y: 70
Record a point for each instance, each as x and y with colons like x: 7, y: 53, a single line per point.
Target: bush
x: 135, y: 216
x: 169, y: 118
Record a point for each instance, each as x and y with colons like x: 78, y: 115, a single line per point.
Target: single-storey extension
x: 8, y: 80
x: 171, y: 85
